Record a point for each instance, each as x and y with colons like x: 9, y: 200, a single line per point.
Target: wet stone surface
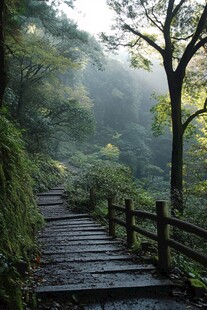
x: 140, y: 304
x: 78, y: 258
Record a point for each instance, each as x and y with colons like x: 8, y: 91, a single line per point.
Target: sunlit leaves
x: 151, y: 16
x: 161, y: 115
x: 110, y: 152
x: 34, y: 52
x: 56, y: 112
x: 40, y: 64
x: 139, y: 61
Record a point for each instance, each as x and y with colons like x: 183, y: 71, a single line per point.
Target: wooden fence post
x: 163, y: 236
x: 130, y: 221
x: 111, y: 215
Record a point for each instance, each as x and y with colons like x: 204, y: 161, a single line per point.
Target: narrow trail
x: 79, y: 258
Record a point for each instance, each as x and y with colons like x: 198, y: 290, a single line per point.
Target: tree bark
x: 176, y: 189
x: 175, y: 82
x: 2, y: 56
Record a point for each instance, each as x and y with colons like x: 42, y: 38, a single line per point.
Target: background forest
x: 66, y: 104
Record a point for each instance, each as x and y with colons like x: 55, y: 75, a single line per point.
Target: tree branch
x: 194, y: 115
x: 155, y: 22
x: 132, y: 44
x: 145, y: 38
x: 201, y: 43
x: 168, y: 55
x: 177, y: 8
x: 192, y: 47
x: 182, y: 39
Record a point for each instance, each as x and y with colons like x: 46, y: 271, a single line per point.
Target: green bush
x: 105, y: 178
x: 46, y: 173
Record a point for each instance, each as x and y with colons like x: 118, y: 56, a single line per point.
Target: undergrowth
x: 46, y: 173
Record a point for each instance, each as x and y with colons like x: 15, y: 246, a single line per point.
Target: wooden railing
x: 163, y: 223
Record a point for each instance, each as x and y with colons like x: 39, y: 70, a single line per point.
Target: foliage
x: 105, y: 178
x: 115, y: 94
x: 10, y: 292
x: 46, y: 173
x: 110, y: 152
x: 121, y: 104
x: 19, y: 217
x: 46, y: 48
x: 2, y: 53
x: 162, y: 115
x: 134, y: 146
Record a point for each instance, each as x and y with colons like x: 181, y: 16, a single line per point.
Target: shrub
x: 46, y: 173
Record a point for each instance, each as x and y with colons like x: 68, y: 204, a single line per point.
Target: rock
x: 196, y: 287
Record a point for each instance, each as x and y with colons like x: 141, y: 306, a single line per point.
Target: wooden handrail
x: 145, y: 233
x: 145, y: 214
x: 118, y: 208
x: 191, y: 228
x: 200, y: 258
x: 162, y: 237
x: 120, y: 222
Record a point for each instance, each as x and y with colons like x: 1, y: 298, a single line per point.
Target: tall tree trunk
x: 2, y: 55
x: 176, y: 190
x: 177, y: 161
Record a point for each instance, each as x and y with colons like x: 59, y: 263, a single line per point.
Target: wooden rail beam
x: 119, y: 222
x: 200, y: 258
x: 145, y: 214
x: 145, y: 233
x: 184, y: 226
x: 118, y: 208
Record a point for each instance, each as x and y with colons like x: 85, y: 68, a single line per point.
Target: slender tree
x: 176, y: 30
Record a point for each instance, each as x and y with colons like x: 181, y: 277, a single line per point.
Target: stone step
x: 52, y: 194
x: 57, y: 188
x: 71, y: 222
x: 84, y: 259
x: 74, y: 231
x: 49, y: 203
x: 78, y: 250
x: 81, y: 243
x: 64, y: 228
x: 74, y: 234
x: 110, y: 283
x: 68, y: 239
x: 112, y: 266
x: 81, y: 248
x: 67, y: 217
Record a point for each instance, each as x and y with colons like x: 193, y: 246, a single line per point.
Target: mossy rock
x: 196, y: 287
